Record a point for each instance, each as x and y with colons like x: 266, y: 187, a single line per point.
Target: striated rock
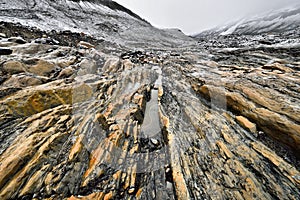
x: 246, y: 124
x: 121, y: 123
x: 270, y: 116
x: 277, y: 66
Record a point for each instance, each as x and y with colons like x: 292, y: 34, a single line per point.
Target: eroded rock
x: 78, y: 123
x: 13, y: 67
x: 246, y: 124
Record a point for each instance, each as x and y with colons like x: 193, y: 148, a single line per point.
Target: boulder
x: 43, y: 68
x: 13, y: 67
x: 87, y: 66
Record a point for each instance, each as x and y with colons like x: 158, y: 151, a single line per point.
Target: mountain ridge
x: 95, y: 18
x: 275, y: 21
x: 114, y: 6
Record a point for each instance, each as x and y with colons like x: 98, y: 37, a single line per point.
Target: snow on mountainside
x: 103, y: 19
x: 275, y: 21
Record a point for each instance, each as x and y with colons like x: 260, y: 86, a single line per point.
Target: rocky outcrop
x: 80, y: 123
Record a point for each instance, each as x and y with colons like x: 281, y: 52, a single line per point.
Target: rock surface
x: 89, y: 121
x: 148, y: 125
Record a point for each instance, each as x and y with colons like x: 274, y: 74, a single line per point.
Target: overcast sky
x: 193, y: 16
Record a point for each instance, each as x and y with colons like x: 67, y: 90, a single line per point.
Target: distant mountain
x: 103, y: 19
x: 275, y: 21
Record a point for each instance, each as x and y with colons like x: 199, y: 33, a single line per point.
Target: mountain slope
x: 103, y: 19
x: 273, y: 22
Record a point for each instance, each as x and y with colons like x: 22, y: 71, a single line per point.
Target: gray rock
x: 154, y: 141
x: 17, y: 40
x: 2, y: 35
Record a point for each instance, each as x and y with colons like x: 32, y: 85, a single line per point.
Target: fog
x: 193, y: 16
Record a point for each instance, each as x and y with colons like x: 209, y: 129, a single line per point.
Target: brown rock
x: 244, y: 122
x: 66, y: 62
x: 42, y: 68
x: 112, y: 65
x: 85, y: 45
x: 223, y: 148
x: 128, y: 65
x: 14, y: 67
x: 78, y: 134
x: 40, y: 98
x: 65, y: 73
x: 17, y: 81
x: 277, y: 66
x: 32, y: 49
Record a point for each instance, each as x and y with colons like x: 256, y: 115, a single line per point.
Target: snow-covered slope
x: 102, y: 19
x: 275, y: 21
